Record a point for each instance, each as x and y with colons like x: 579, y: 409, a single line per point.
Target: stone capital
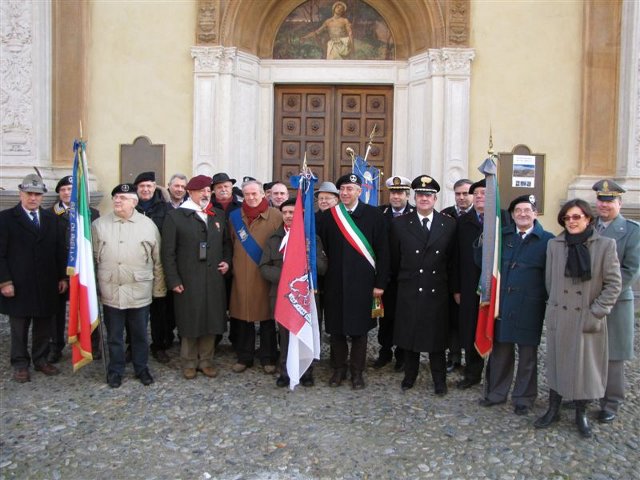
x: 211, y: 60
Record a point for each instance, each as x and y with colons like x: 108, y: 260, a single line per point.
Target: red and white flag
x: 295, y: 303
x: 83, y: 298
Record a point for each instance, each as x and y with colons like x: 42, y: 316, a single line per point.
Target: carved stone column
x: 451, y: 83
x: 25, y: 35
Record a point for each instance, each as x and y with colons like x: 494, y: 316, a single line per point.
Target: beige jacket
x: 127, y: 256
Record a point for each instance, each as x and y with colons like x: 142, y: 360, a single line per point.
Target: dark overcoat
x: 350, y: 279
x: 157, y: 210
x: 201, y: 308
x: 523, y: 294
x: 620, y: 320
x: 422, y: 264
x: 466, y: 275
x: 34, y: 260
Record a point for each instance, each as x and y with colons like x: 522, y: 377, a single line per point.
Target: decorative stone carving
x: 458, y: 22
x: 451, y: 61
x: 214, y: 59
x: 16, y: 72
x: 208, y: 21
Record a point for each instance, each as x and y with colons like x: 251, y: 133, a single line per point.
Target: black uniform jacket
x: 422, y: 264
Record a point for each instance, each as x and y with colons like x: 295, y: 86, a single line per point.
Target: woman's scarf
x: 254, y: 212
x: 578, y: 264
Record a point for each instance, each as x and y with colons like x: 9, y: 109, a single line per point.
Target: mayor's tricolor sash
x: 352, y: 233
x: 246, y: 240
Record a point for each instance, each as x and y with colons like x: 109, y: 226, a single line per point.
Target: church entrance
x: 323, y: 121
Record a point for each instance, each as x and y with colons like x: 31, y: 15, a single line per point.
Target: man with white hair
x: 126, y: 249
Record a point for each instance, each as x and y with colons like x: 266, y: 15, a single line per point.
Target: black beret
x: 288, y: 202
x: 482, y: 183
x: 268, y: 185
x: 530, y: 199
x: 349, y: 178
x: 145, y: 177
x: 124, y: 188
x: 425, y: 184
x: 63, y: 182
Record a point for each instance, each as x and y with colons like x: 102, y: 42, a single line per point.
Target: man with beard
x: 252, y: 225
x: 422, y: 250
x: 153, y: 205
x: 58, y: 339
x: 399, y: 190
x: 196, y: 253
x: 620, y: 328
x: 222, y: 189
x: 464, y: 202
x: 357, y: 245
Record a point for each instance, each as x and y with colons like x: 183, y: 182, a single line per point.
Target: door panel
x: 323, y: 121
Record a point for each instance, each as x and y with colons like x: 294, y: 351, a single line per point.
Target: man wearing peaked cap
x: 356, y: 275
x: 32, y: 274
x: 399, y: 189
x: 58, y: 338
x: 620, y: 322
x: 422, y: 258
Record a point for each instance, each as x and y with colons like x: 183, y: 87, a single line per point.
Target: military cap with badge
x: 349, y: 178
x: 33, y: 183
x: 425, y: 184
x: 398, y: 183
x: 608, y: 190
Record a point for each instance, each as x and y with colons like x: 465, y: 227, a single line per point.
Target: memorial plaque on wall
x: 141, y: 156
x: 521, y: 172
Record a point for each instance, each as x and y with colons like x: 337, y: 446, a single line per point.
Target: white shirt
x: 430, y: 217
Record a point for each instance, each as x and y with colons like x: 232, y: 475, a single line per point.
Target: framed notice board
x: 521, y: 172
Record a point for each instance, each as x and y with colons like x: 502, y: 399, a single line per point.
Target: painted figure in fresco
x: 340, y: 34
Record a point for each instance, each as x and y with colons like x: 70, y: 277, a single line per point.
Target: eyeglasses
x: 575, y: 217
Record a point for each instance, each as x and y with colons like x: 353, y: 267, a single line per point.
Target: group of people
x: 203, y: 254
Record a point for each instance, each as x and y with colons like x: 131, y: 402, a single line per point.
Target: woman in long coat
x: 583, y: 281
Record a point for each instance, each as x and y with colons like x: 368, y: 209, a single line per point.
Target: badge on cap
x: 70, y: 179
x: 124, y: 188
x: 532, y: 199
x: 425, y: 181
x: 353, y: 178
x: 397, y: 181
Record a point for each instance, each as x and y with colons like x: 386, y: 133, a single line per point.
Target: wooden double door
x: 323, y: 121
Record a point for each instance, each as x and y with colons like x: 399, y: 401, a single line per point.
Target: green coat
x: 626, y: 233
x: 201, y: 308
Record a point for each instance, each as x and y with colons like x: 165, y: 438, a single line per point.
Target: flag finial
x: 490, y: 151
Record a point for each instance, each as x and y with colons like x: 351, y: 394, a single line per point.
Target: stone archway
x: 252, y: 29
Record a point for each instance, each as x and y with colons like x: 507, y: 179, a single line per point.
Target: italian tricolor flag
x: 83, y: 298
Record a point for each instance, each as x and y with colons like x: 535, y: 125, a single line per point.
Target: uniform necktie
x: 34, y: 218
x: 600, y: 227
x: 425, y: 224
x: 522, y: 234
x: 481, y: 218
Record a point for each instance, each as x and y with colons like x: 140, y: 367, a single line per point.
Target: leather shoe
x: 239, y: 367
x: 467, y: 383
x: 211, y: 372
x: 47, y: 369
x: 406, y: 385
x: 114, y: 380
x: 606, y: 417
x: 189, y: 373
x: 21, y: 375
x: 485, y: 402
x: 440, y: 389
x: 161, y: 356
x: 269, y: 369
x: 54, y: 355
x: 282, y: 381
x: 521, y: 410
x: 451, y: 366
x: 307, y: 381
x: 357, y: 382
x: 145, y: 377
x: 399, y: 366
x: 381, y: 361
x: 337, y: 378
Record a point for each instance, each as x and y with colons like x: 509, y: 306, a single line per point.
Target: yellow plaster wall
x: 140, y: 82
x: 526, y: 84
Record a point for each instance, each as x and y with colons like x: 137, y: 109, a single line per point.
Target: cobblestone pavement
x: 241, y: 426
